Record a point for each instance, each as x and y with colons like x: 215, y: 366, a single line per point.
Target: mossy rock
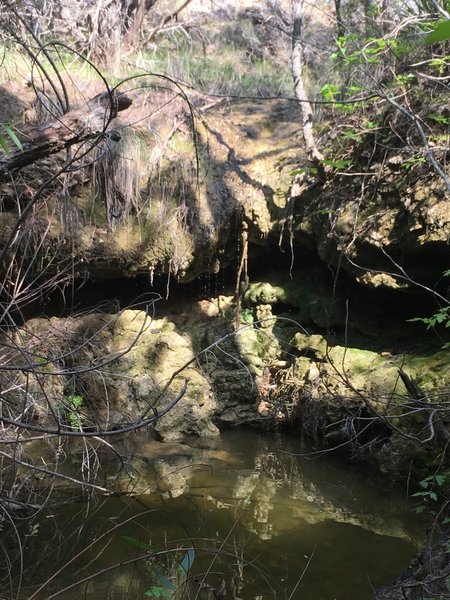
x: 265, y: 293
x: 308, y: 292
x: 432, y: 372
x: 374, y: 374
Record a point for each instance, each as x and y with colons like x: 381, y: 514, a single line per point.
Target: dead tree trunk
x: 76, y: 126
x: 339, y: 22
x: 312, y: 151
x: 137, y: 9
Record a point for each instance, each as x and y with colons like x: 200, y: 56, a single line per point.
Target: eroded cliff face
x: 166, y: 197
x: 167, y: 193
x: 311, y: 325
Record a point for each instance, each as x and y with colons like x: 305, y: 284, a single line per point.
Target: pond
x: 250, y: 516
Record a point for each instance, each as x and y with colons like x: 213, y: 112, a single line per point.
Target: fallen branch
x: 435, y: 413
x: 76, y: 126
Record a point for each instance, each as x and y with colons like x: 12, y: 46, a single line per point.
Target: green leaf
x: 13, y: 136
x: 425, y: 483
x: 188, y: 560
x: 439, y: 62
x: 298, y: 171
x: 4, y: 146
x: 349, y: 134
x: 154, y: 592
x: 139, y: 544
x: 329, y: 91
x: 158, y: 592
x: 402, y: 79
x: 437, y: 118
x: 433, y: 496
x: 441, y: 33
x: 440, y: 479
x: 339, y: 163
x: 163, y: 579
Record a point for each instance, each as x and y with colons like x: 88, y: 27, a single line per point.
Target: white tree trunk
x: 312, y: 152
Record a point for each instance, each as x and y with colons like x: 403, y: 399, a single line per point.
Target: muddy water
x: 248, y: 516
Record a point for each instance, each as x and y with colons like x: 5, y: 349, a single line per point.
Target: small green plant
x: 440, y: 64
x: 440, y: 33
x: 349, y: 133
x: 336, y: 164
x: 442, y: 316
x: 348, y: 49
x: 71, y: 406
x: 428, y: 495
x: 247, y: 316
x: 330, y: 90
x: 7, y: 132
x: 413, y: 161
x: 404, y: 79
x: 370, y: 124
x: 339, y: 163
x: 440, y: 119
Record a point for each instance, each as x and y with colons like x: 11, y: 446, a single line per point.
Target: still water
x: 248, y: 517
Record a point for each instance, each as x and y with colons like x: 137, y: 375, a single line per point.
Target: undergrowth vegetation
x: 218, y: 69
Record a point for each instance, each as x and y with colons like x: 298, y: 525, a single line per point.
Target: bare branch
x: 164, y: 22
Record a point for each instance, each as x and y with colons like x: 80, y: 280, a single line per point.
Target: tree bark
x: 136, y: 11
x: 339, y: 22
x: 312, y: 151
x: 76, y: 126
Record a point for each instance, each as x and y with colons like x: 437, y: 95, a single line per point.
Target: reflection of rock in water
x: 245, y: 484
x: 166, y: 477
x: 254, y: 494
x: 296, y: 494
x: 279, y: 492
x: 172, y: 477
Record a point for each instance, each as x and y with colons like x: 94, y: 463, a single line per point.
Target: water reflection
x: 270, y: 485
x: 261, y: 522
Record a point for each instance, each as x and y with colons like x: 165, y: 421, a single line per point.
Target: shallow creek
x: 248, y: 512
